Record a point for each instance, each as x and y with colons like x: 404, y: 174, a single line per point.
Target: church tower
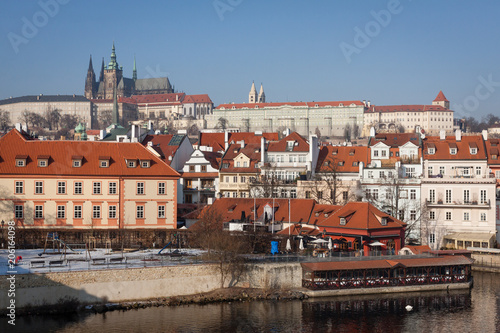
x: 252, y: 96
x: 112, y: 75
x: 134, y: 72
x: 441, y: 100
x: 262, y: 95
x: 90, y: 83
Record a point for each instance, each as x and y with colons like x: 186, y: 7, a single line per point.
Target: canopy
x: 330, y: 245
x: 288, y: 246
x: 319, y: 240
x: 301, y: 245
x: 376, y: 243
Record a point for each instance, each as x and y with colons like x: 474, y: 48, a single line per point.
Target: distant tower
x: 134, y: 72
x: 262, y: 95
x: 116, y: 115
x: 441, y: 100
x: 112, y: 76
x: 101, y: 75
x: 90, y: 83
x: 252, y: 96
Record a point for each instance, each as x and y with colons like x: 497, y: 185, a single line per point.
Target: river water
x: 477, y: 310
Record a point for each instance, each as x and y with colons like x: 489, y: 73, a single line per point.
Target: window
x: 413, y: 194
x: 38, y: 187
x: 448, y: 196
x: 375, y: 194
x: 388, y: 194
x: 410, y: 172
x: 466, y: 196
x: 140, y: 188
x: 384, y: 153
x: 441, y: 170
x: 483, y: 217
x: 375, y: 153
x: 161, y: 212
x: 19, y: 211
x: 61, y: 187
x: 478, y: 171
x: 204, y: 168
x: 473, y: 151
x: 308, y: 194
x: 432, y: 215
x: 139, y: 212
x: 112, y: 188
x: 112, y: 212
x: 238, y: 164
x: 235, y: 179
x: 78, y: 212
x: 77, y: 163
x: 235, y: 194
x: 413, y: 215
x: 19, y: 187
x: 483, y: 196
x: 144, y: 164
x: 293, y: 193
x: 245, y: 164
x: 78, y: 187
x: 453, y: 151
x: 243, y: 195
x: 370, y: 174
x: 96, y: 212
x: 401, y: 214
x: 61, y: 212
x: 429, y: 171
x: 432, y: 238
x: 345, y: 195
x: 320, y: 194
x: 191, y: 168
x: 432, y: 196
x: 39, y: 212
x: 243, y: 179
x: 42, y: 163
x: 431, y: 151
x: 97, y: 187
x: 161, y: 188
x: 448, y: 216
x: 20, y: 163
x: 227, y: 179
x: 466, y: 216
x: 382, y: 174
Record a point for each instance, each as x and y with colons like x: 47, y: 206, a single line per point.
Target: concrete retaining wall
x: 141, y: 283
x: 486, y: 259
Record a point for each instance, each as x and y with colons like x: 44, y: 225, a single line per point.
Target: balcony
x: 233, y: 186
x: 458, y: 203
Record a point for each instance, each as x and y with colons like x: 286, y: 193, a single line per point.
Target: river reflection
x: 456, y: 311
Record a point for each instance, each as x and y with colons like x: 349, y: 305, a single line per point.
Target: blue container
x: 274, y: 247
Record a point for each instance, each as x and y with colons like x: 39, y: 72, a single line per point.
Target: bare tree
x: 68, y: 121
x: 318, y: 133
x: 105, y: 118
x: 4, y: 120
x: 267, y: 184
x: 246, y: 125
x: 347, y: 132
x: 327, y: 187
x: 193, y: 130
x: 52, y: 116
x: 222, y: 123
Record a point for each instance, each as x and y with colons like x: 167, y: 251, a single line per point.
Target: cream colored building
x: 85, y: 185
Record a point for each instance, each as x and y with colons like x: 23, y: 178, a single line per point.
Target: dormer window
x: 77, y: 161
x: 494, y: 157
x: 354, y: 163
x: 21, y: 160
x: 145, y: 164
x: 131, y: 163
x: 104, y: 161
x: 453, y: 151
x: 316, y: 214
x: 342, y: 221
x: 431, y: 151
x: 383, y: 221
x: 341, y: 163
x: 334, y: 152
x: 473, y: 151
x: 325, y: 215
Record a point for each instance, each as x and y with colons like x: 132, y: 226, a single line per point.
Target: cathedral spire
x: 113, y: 64
x: 134, y: 72
x: 262, y: 95
x: 101, y: 75
x: 91, y: 67
x: 252, y: 96
x: 90, y: 84
x: 116, y: 116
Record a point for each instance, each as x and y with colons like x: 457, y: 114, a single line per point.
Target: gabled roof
x: 158, y: 98
x: 44, y: 99
x: 440, y: 97
x: 216, y: 140
x: 213, y: 157
x: 492, y: 150
x: 442, y: 151
x: 203, y: 98
x: 62, y: 152
x: 165, y: 144
x: 300, y: 144
x: 251, y: 150
x: 361, y: 215
x: 330, y: 156
x: 158, y: 83
x: 394, y: 140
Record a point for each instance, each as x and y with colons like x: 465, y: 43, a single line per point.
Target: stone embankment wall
x: 118, y: 285
x: 486, y: 262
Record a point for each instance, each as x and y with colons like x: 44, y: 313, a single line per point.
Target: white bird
x: 409, y: 308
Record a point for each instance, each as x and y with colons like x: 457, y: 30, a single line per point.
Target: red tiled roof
x: 93, y: 132
x: 404, y: 108
x: 329, y: 162
x: 442, y: 151
x: 361, y: 215
x: 216, y: 140
x: 251, y: 150
x: 440, y: 97
x: 394, y: 140
x: 372, y: 264
x: 296, y: 104
x: 62, y: 152
x: 492, y: 146
x: 321, y: 213
x: 213, y: 157
x: 281, y: 145
x: 418, y: 249
x: 300, y: 229
x: 197, y: 99
x: 200, y: 175
x: 158, y: 98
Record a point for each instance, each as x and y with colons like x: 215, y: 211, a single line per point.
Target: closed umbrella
x: 330, y: 245
x: 301, y: 245
x: 288, y: 246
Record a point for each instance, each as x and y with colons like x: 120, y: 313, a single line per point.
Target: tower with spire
x: 90, y: 82
x: 113, y: 74
x: 441, y: 100
x: 262, y: 95
x: 134, y: 72
x: 252, y: 96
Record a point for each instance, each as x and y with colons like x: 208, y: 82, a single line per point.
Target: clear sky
x: 388, y: 52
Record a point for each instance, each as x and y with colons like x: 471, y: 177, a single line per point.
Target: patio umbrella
x: 376, y: 243
x: 319, y: 240
x: 288, y: 246
x: 330, y: 244
x: 301, y: 245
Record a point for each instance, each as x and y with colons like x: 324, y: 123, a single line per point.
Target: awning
x: 470, y: 236
x: 319, y: 240
x: 377, y: 243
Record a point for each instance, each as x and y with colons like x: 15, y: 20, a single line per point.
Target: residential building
x: 200, y: 176
x: 220, y: 141
x: 458, y: 195
x: 76, y: 185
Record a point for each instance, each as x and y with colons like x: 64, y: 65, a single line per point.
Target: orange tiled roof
x: 296, y: 104
x: 442, y: 151
x: 216, y: 140
x: 492, y: 151
x: 395, y: 140
x: 330, y: 156
x: 281, y: 145
x: 62, y: 153
x: 440, y: 97
x: 251, y: 150
x: 203, y: 98
x: 404, y: 108
x: 361, y: 215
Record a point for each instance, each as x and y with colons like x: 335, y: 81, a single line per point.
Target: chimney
x: 364, y: 102
x: 150, y: 125
x: 102, y: 134
x: 442, y: 135
x: 150, y: 143
x: 458, y: 135
x: 18, y: 127
x: 242, y: 143
x: 368, y: 103
x: 226, y: 139
x: 176, y: 97
x: 133, y: 132
x: 262, y: 150
x: 485, y: 135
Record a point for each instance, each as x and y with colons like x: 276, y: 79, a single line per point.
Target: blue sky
x: 299, y: 50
